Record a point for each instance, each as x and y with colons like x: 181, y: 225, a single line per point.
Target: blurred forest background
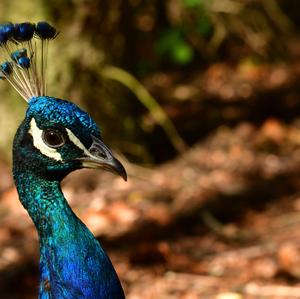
x: 201, y: 99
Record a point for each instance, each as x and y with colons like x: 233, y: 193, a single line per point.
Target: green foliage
x: 200, y: 27
x: 192, y: 3
x: 182, y: 53
x: 204, y: 25
x: 193, y: 23
x: 172, y: 44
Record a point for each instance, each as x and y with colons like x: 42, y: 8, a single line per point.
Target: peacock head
x: 56, y: 136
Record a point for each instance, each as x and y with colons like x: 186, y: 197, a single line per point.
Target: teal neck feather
x: 44, y: 201
x: 72, y: 263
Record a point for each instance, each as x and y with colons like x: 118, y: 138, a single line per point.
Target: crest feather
x: 24, y: 49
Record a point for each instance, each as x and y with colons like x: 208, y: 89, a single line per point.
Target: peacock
x: 55, y: 138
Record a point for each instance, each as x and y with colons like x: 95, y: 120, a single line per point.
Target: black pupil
x: 53, y: 138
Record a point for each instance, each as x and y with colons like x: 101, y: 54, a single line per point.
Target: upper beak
x: 99, y: 156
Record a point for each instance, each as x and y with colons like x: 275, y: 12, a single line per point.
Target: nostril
x: 96, y: 151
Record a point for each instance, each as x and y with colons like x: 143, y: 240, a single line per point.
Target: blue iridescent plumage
x: 45, y: 31
x: 23, y: 31
x: 6, y: 68
x: 56, y: 138
x: 24, y: 62
x: 18, y: 54
x: 6, y: 32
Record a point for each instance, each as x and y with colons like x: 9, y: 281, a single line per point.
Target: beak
x: 99, y: 156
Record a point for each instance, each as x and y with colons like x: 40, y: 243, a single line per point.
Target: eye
x: 53, y: 138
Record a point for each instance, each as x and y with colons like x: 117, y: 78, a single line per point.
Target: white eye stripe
x: 39, y: 143
x: 77, y: 142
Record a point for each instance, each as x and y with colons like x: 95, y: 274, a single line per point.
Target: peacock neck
x: 72, y: 262
x: 44, y: 201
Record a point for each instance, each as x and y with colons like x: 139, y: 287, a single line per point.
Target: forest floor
x: 220, y: 221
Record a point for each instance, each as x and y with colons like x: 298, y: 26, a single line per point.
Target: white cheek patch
x: 38, y: 142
